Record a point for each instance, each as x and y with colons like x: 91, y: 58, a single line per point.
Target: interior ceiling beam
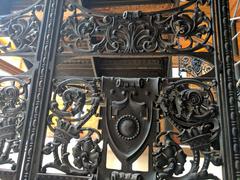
x: 5, y: 66
x: 97, y: 3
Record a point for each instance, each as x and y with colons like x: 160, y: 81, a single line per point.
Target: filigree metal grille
x: 14, y: 97
x: 129, y: 111
x: 20, y: 32
x: 136, y: 32
x: 22, y: 28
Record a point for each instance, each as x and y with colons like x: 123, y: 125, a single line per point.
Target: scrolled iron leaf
x: 13, y: 97
x: 136, y: 32
x: 23, y: 29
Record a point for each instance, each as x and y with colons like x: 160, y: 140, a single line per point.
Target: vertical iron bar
x: 46, y: 55
x: 230, y: 127
x: 218, y: 70
x: 234, y: 30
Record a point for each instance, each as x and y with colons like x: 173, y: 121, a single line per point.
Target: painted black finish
x: 128, y: 110
x: 135, y: 32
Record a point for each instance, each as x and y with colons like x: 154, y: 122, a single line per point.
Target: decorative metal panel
x: 14, y: 96
x: 136, y: 32
x: 129, y: 122
x: 23, y: 29
x: 19, y: 34
x: 66, y: 127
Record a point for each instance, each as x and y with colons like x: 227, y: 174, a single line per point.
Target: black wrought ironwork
x: 22, y: 29
x: 228, y: 105
x: 86, y: 152
x: 136, y: 32
x: 193, y: 111
x: 13, y: 99
x: 128, y: 123
x: 195, y: 66
x: 203, y: 112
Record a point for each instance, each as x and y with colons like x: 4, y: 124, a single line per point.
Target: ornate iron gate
x: 203, y: 110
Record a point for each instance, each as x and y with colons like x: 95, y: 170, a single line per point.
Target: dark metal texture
x: 135, y: 32
x: 23, y: 29
x: 14, y: 97
x: 86, y: 152
x: 229, y: 120
x: 198, y: 126
x: 128, y: 111
x: 22, y: 32
x: 129, y: 122
x: 13, y: 108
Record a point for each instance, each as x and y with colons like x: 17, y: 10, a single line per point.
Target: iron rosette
x: 73, y: 103
x: 189, y: 105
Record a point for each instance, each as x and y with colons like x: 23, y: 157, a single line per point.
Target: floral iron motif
x: 75, y: 93
x: 13, y: 97
x: 169, y: 158
x: 136, y: 32
x: 22, y: 28
x: 189, y: 105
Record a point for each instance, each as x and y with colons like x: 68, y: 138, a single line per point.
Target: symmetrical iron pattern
x: 129, y: 111
x: 136, y: 32
x: 129, y: 122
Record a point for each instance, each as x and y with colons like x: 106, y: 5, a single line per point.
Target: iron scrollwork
x: 76, y: 94
x: 136, y: 32
x: 169, y: 158
x: 190, y: 106
x: 13, y: 97
x: 22, y: 28
x: 195, y: 66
